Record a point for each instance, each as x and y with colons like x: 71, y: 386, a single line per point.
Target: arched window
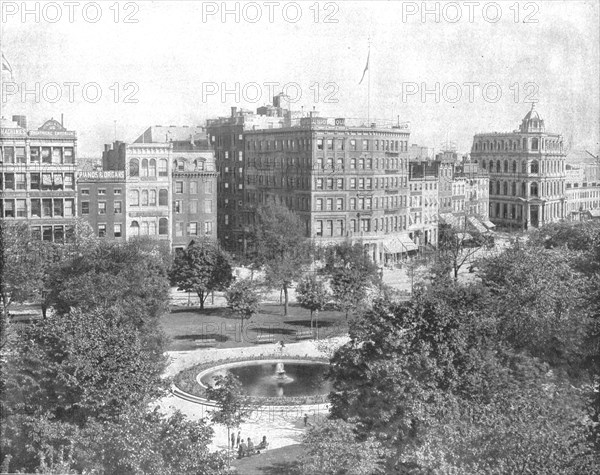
x: 144, y: 197
x: 535, y: 167
x: 369, y: 163
x: 498, y: 167
x: 491, y: 188
x: 498, y: 187
x: 144, y: 167
x: 505, y: 188
x: 134, y: 167
x: 152, y: 200
x: 163, y: 198
x: 134, y: 229
x: 476, y: 146
x: 330, y: 163
x: 163, y: 226
x: 491, y: 165
x: 152, y: 168
x: 523, y: 189
x: 514, y: 145
x: 524, y: 144
x: 534, y: 143
x: 524, y: 166
x: 484, y: 166
x: 534, y: 189
x: 134, y: 198
x: 181, y: 164
x: 513, y: 188
x: 505, y: 166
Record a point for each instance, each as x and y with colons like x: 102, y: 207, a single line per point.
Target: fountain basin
x: 279, y: 378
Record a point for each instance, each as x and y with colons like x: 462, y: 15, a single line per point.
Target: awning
x: 477, y: 224
x: 464, y: 236
x: 488, y: 224
x: 399, y: 244
x: 450, y: 219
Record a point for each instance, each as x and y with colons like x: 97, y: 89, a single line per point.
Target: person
x: 239, y: 438
x: 242, y: 450
x: 250, y: 446
x: 263, y: 444
x: 305, y: 419
x: 233, y: 440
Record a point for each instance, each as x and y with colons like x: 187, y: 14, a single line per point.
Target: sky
x: 452, y: 71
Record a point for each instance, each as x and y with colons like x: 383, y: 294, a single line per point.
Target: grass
x: 184, y: 325
x: 272, y: 462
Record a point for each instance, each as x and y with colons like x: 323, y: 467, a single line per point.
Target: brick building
x: 38, y: 176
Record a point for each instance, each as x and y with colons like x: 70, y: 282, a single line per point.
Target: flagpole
x: 369, y: 88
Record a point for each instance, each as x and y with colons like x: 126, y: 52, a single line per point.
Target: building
x: 147, y: 167
x: 38, y: 176
x: 447, y: 163
x: 194, y: 182
x: 227, y: 138
x: 424, y: 181
x: 526, y: 171
x: 102, y: 202
x: 345, y: 181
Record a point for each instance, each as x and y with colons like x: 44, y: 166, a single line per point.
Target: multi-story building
x: 447, y: 163
x: 102, y: 202
x: 194, y: 182
x: 423, y: 203
x: 345, y: 182
x: 38, y: 176
x: 227, y: 137
x: 527, y: 173
x: 147, y: 166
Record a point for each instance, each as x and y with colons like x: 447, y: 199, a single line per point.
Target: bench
x: 265, y: 338
x: 304, y: 334
x: 205, y: 341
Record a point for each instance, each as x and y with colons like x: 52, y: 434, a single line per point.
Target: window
x: 68, y: 155
x: 193, y: 187
x: 365, y: 145
x: 135, y: 228
x: 69, y: 208
x: 534, y: 189
x: 329, y: 204
x: 21, y: 209
x: 339, y: 204
x: 20, y: 155
x: 352, y: 183
x: 162, y: 167
x: 163, y: 226
x: 101, y: 192
x: 20, y: 181
x: 46, y: 158
x: 152, y: 167
x: 163, y: 198
x: 36, y: 208
x: 319, y: 144
x: 101, y: 207
x: 101, y: 230
x: 34, y: 155
x: 534, y: 167
x: 178, y: 206
x: 319, y: 204
x: 9, y: 208
x: 352, y: 203
x: 85, y: 192
x: 134, y: 167
x: 56, y: 156
x: 69, y: 181
x: 208, y: 228
x: 117, y: 230
x: 353, y: 164
x: 208, y: 206
x: 152, y: 198
x: 134, y: 197
x: 117, y: 207
x: 178, y: 187
x: 117, y: 191
x: 319, y: 228
x: 178, y: 228
x: 319, y: 183
x: 340, y: 183
x: 46, y: 208
x: 85, y: 207
x: 145, y: 198
x: 329, y: 144
x: 352, y: 144
x: 193, y: 207
x: 144, y: 167
x: 192, y: 229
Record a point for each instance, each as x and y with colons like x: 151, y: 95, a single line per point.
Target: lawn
x: 185, y: 325
x: 272, y: 462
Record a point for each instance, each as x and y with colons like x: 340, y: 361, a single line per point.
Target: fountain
x: 280, y: 370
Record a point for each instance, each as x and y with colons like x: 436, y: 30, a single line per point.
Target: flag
x: 366, y: 67
x: 6, y: 65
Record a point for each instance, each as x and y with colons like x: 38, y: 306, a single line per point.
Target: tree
x: 232, y: 406
x: 457, y: 247
x: 243, y: 298
x: 202, y: 268
x: 333, y: 448
x: 278, y: 243
x: 351, y: 274
x: 312, y: 295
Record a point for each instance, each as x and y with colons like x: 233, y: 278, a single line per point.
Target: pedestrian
x: 233, y: 440
x: 239, y: 438
x: 305, y: 419
x: 250, y: 446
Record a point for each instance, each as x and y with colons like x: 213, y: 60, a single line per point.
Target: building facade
x: 345, y: 182
x: 102, y: 202
x: 527, y: 173
x: 38, y: 177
